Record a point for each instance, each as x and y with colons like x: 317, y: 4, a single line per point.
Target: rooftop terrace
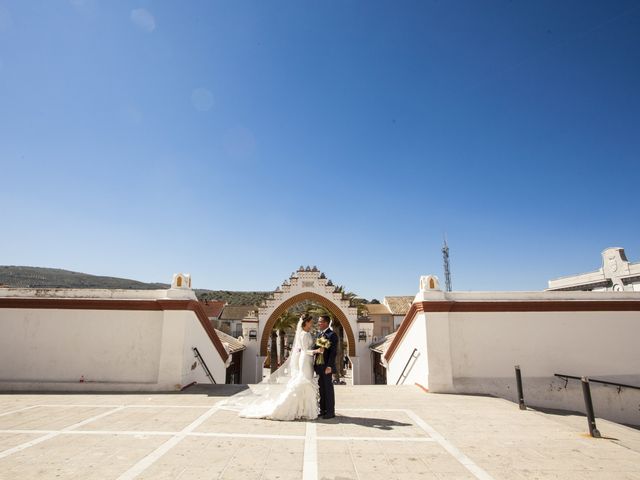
x: 380, y: 432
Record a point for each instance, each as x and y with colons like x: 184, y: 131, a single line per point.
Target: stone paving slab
x: 208, y: 458
x: 380, y: 432
x: 10, y: 440
x: 46, y: 418
x: 225, y: 421
x: 160, y: 418
x: 77, y: 457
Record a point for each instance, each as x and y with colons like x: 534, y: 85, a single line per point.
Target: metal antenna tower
x: 447, y: 270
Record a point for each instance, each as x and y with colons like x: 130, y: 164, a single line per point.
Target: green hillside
x: 38, y: 277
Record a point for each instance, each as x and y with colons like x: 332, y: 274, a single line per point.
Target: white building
x: 616, y: 274
x: 381, y: 317
x: 108, y: 340
x: 398, y: 306
x: 469, y: 342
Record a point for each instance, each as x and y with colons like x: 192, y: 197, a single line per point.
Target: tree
x: 285, y: 322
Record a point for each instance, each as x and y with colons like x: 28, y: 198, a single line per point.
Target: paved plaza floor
x: 381, y: 432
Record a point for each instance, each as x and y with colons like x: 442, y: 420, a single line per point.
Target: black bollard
x: 588, y: 405
x: 520, y: 394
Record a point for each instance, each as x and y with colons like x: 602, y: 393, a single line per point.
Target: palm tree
x: 284, y: 323
x: 354, y: 300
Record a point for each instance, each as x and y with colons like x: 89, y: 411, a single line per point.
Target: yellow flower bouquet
x: 322, y: 342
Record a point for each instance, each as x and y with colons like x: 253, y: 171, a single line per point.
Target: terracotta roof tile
x: 381, y: 345
x: 233, y: 343
x: 212, y: 308
x: 236, y: 312
x: 399, y: 305
x: 377, y: 309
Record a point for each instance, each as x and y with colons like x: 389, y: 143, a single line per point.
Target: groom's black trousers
x: 327, y: 397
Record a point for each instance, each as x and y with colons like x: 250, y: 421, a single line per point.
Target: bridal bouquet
x: 322, y: 342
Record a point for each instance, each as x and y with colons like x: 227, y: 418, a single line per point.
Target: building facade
x: 232, y: 316
x: 469, y: 343
x: 398, y: 306
x: 617, y: 274
x: 60, y: 339
x: 382, y: 320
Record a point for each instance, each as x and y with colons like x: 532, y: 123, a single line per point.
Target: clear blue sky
x: 237, y: 140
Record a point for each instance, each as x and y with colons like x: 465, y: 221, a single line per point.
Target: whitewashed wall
x: 417, y: 370
x: 251, y: 360
x: 56, y: 346
x: 118, y: 350
x: 486, y: 346
x: 475, y: 352
x: 195, y: 336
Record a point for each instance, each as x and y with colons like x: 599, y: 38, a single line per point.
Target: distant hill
x: 233, y: 298
x: 38, y: 277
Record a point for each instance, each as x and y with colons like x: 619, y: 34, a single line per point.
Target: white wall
x: 475, y: 352
x: 251, y: 360
x: 604, y: 345
x: 67, y: 345
x: 196, y: 336
x: 544, y: 343
x: 72, y: 349
x: 418, y: 370
x: 362, y: 370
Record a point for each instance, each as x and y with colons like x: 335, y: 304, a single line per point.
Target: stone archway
x: 314, y: 297
x: 305, y: 284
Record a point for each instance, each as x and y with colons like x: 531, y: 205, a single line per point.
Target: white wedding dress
x: 289, y: 393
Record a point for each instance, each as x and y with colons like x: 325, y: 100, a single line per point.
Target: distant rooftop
x: 381, y: 345
x: 236, y: 312
x: 234, y: 344
x: 213, y: 308
x: 377, y: 309
x: 616, y: 274
x: 398, y: 305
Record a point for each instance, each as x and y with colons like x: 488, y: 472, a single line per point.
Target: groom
x: 326, y: 370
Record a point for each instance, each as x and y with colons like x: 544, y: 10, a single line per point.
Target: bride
x: 290, y: 392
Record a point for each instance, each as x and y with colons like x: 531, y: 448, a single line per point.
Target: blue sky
x: 238, y: 140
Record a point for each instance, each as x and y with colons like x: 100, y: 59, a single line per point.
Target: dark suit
x: 325, y: 381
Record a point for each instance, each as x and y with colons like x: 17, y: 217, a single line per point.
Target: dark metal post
x: 588, y: 404
x: 520, y: 394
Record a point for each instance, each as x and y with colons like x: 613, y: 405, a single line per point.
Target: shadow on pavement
x: 377, y: 423
x: 222, y: 390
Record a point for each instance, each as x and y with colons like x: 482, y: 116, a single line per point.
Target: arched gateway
x: 305, y: 284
